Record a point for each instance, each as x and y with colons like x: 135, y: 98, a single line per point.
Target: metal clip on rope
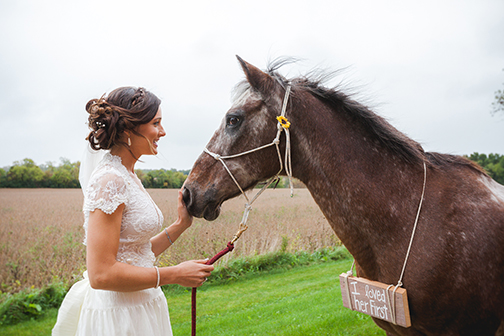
x: 242, y: 229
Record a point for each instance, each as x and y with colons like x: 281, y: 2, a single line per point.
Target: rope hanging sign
x: 379, y: 300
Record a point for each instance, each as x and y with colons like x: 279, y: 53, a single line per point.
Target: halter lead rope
x: 283, y: 124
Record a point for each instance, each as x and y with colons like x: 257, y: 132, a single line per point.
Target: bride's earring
x: 129, y: 142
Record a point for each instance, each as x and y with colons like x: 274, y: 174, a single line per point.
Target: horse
x: 367, y: 178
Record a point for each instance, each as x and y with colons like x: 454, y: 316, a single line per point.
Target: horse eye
x: 233, y: 121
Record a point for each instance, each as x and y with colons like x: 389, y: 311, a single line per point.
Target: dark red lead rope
x: 228, y: 249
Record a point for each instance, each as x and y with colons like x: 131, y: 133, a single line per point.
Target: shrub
x: 236, y: 269
x: 30, y: 303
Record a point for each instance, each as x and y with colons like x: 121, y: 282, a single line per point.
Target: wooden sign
x: 375, y: 299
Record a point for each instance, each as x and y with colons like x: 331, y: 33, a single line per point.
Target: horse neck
x: 367, y: 194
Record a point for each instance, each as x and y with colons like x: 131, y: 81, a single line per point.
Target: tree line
x: 26, y: 174
x: 492, y: 163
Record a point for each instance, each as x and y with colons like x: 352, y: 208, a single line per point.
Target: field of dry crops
x: 41, y: 232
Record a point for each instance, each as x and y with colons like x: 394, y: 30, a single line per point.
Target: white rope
x: 276, y: 142
x: 218, y: 157
x: 351, y: 269
x: 392, y: 305
x: 288, y: 162
x: 286, y: 99
x: 399, y: 283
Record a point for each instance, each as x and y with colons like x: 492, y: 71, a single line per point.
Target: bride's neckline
x: 117, y: 160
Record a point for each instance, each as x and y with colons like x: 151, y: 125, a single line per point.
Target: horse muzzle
x: 201, y: 204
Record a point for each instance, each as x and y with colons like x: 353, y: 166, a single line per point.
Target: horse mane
x: 404, y: 147
x: 439, y: 159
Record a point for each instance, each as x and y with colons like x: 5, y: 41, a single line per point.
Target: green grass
x: 305, y: 300
x: 300, y: 301
x: 40, y: 326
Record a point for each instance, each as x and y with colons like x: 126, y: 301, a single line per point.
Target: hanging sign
x: 389, y: 303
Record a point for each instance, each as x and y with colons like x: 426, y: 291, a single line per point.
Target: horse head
x: 249, y: 124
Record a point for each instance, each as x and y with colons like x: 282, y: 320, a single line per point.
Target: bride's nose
x: 162, y: 132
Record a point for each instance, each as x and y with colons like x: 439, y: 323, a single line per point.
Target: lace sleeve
x: 105, y: 192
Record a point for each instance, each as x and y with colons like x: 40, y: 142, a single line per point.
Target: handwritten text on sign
x: 375, y: 299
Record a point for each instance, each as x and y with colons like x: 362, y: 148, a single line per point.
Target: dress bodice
x: 111, y: 185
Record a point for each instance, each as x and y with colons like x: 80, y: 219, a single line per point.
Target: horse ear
x: 258, y: 79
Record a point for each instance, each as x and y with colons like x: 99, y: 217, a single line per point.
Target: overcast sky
x: 430, y: 67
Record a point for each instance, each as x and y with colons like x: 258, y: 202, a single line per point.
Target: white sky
x: 430, y: 67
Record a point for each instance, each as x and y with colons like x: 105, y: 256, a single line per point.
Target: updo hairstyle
x: 122, y: 110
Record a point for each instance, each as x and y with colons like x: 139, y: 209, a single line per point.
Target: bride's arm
x: 160, y: 242
x: 105, y: 272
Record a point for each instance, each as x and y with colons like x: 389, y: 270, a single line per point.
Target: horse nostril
x: 186, y: 196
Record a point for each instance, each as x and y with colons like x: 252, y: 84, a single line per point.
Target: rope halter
x: 283, y: 125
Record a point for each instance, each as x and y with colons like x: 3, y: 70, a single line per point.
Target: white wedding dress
x: 87, y: 311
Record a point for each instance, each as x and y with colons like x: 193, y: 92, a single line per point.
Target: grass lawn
x: 301, y: 301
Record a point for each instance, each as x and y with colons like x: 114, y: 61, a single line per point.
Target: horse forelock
x: 240, y: 92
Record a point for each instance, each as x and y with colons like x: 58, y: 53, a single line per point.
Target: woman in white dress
x: 120, y: 292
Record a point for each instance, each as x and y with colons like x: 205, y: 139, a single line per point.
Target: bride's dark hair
x: 122, y: 110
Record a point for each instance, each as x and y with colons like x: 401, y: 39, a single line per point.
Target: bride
x: 120, y: 293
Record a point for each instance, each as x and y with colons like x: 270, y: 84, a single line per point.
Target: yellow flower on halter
x: 283, y: 121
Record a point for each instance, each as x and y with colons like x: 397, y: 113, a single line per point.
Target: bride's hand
x: 184, y: 216
x: 193, y: 273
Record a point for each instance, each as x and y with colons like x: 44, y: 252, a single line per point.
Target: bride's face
x: 147, y: 144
